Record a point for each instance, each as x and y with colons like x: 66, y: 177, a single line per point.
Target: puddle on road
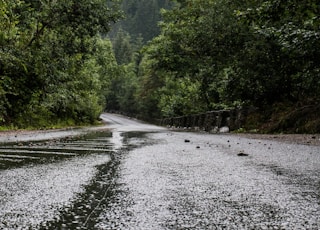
x: 117, y: 140
x: 41, y: 152
x: 39, y: 178
x: 71, y: 180
x: 101, y: 192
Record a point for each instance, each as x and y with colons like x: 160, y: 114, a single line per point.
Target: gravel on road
x: 199, y: 181
x: 162, y: 179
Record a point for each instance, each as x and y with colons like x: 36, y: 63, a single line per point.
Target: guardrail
x: 212, y: 121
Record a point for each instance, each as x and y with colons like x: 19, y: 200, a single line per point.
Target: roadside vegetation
x: 60, y: 63
x: 54, y: 62
x: 220, y: 54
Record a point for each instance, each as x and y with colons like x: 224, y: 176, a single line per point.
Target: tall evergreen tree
x: 141, y: 18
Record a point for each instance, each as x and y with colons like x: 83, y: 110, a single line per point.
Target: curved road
x: 154, y: 178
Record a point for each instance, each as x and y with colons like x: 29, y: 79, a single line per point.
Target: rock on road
x: 184, y: 180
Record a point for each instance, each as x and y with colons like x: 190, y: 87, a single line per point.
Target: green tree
x: 199, y: 41
x: 213, y: 54
x: 122, y: 48
x: 47, y: 49
x: 141, y: 18
x: 277, y: 63
x: 243, y: 52
x: 123, y: 87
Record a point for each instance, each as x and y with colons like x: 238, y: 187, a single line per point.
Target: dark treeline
x: 165, y: 58
x: 141, y: 18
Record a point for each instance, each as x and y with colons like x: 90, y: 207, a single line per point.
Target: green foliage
x: 284, y: 44
x: 233, y: 53
x: 53, y: 64
x: 123, y: 48
x: 207, y: 54
x: 195, y: 44
x: 179, y: 97
x: 141, y: 18
x: 122, y: 90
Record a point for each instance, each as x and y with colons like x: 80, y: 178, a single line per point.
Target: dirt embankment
x: 303, y: 117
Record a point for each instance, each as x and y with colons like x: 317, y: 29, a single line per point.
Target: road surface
x: 132, y: 175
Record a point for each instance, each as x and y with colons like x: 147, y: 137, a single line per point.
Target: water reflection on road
x: 63, y: 183
x: 85, y: 211
x: 45, y: 183
x: 28, y: 153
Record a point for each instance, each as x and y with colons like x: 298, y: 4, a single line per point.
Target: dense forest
x: 59, y: 62
x: 141, y: 18
x: 54, y: 63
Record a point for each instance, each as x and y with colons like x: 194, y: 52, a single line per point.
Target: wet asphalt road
x: 138, y: 176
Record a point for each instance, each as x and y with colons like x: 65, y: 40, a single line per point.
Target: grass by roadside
x: 49, y: 126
